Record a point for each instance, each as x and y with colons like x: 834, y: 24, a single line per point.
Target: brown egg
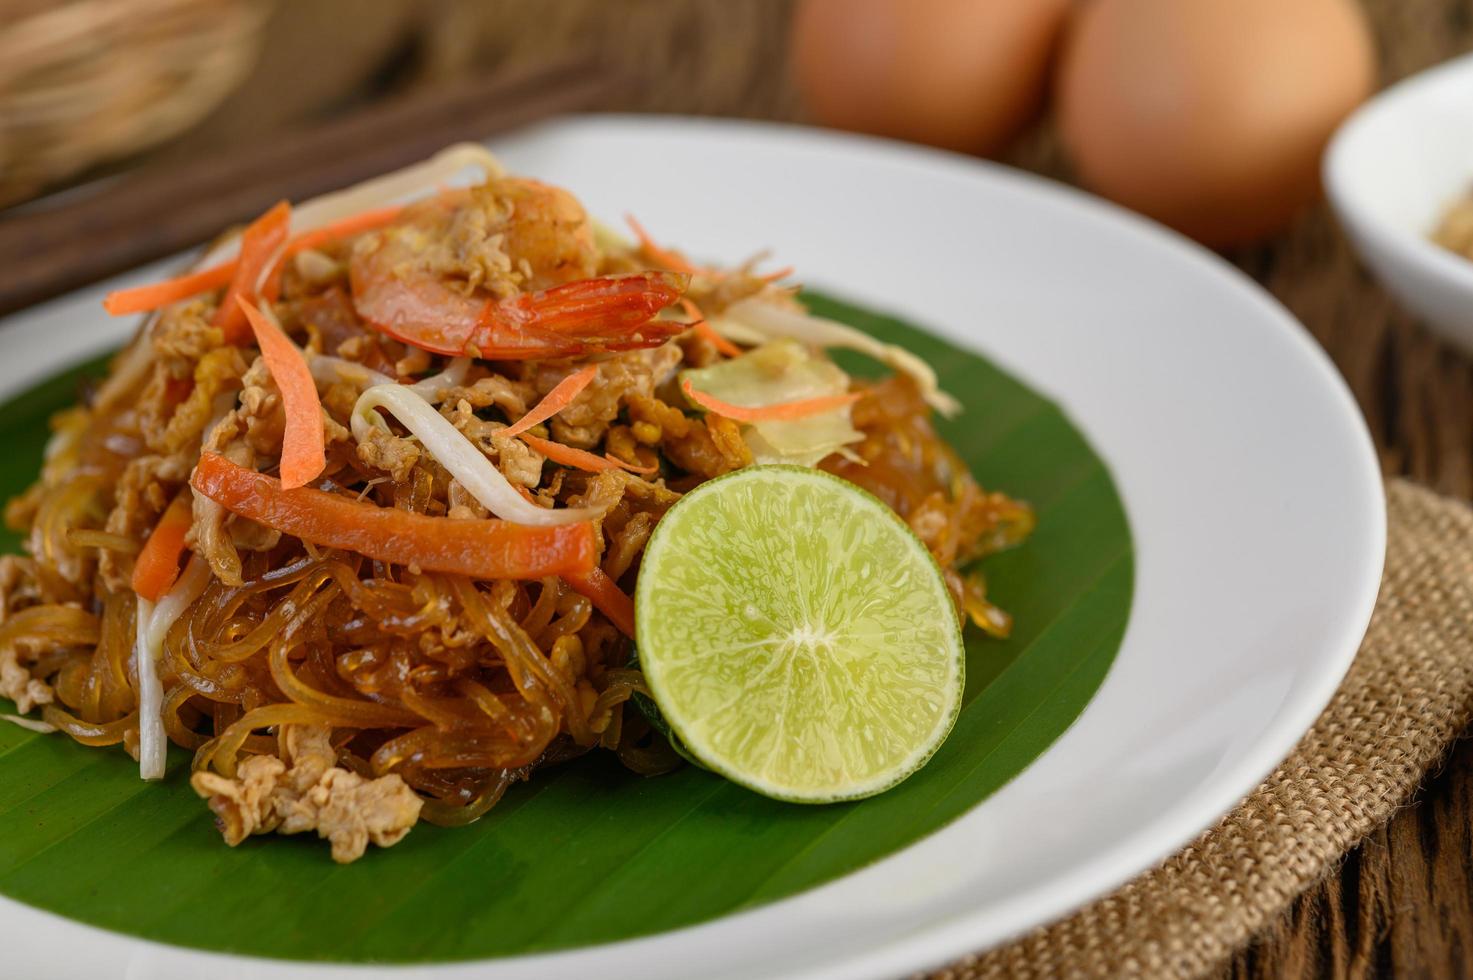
x: 962, y: 74
x: 1210, y: 115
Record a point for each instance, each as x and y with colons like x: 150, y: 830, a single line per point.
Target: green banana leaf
x: 588, y: 852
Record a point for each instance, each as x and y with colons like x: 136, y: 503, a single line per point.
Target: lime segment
x: 797, y: 637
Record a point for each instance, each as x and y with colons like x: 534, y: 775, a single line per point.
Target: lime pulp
x: 796, y: 635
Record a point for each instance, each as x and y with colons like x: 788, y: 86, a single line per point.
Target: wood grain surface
x: 61, y: 244
x: 1402, y: 902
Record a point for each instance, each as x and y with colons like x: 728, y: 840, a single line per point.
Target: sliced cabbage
x: 772, y: 320
x: 738, y: 332
x: 782, y: 371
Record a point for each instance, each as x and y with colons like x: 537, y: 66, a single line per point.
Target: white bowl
x: 1391, y: 171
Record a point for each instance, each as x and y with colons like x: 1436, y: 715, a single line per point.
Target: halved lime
x: 797, y: 637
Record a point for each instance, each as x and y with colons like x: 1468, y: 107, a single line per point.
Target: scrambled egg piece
x: 313, y: 794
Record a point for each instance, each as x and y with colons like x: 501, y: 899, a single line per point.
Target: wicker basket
x: 86, y: 81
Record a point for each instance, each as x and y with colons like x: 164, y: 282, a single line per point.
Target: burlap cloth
x: 1407, y: 695
x: 1409, y: 692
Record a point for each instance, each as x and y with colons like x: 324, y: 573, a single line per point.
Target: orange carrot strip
x: 141, y: 299
x: 782, y: 273
x: 660, y: 256
x: 269, y: 287
x: 303, y: 454
x: 607, y: 598
x: 707, y: 332
x: 580, y: 458
x: 785, y: 411
x: 559, y: 398
x: 259, y: 243
x: 157, y: 564
x: 481, y: 549
x: 345, y: 228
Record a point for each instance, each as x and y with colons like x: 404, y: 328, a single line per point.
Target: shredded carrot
x: 580, y: 458
x: 346, y: 228
x: 559, y: 398
x: 783, y: 411
x: 706, y: 332
x: 142, y: 299
x: 157, y: 564
x: 607, y: 597
x: 480, y: 549
x: 259, y: 244
x: 660, y: 256
x: 303, y: 454
x: 782, y: 273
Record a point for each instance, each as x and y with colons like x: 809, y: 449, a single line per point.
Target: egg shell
x: 966, y: 75
x: 1210, y: 115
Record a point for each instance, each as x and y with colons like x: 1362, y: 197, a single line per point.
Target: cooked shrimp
x: 505, y: 271
x: 544, y: 226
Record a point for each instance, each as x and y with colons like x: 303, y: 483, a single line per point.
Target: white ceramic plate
x: 1249, y: 479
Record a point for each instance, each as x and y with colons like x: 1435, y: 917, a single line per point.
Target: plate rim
x: 958, y: 933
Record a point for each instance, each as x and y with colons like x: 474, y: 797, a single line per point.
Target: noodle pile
x: 324, y: 690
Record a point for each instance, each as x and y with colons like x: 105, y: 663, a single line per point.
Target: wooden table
x: 1402, y: 902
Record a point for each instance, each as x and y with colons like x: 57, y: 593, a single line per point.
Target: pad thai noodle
x: 356, y: 517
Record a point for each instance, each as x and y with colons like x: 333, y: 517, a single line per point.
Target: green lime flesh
x: 797, y: 636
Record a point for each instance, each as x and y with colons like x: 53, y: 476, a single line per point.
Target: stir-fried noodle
x: 441, y: 609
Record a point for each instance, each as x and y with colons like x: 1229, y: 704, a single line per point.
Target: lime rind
x: 651, y: 713
x: 798, y: 638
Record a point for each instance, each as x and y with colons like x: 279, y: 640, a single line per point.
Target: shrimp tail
x: 610, y: 313
x: 611, y: 304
